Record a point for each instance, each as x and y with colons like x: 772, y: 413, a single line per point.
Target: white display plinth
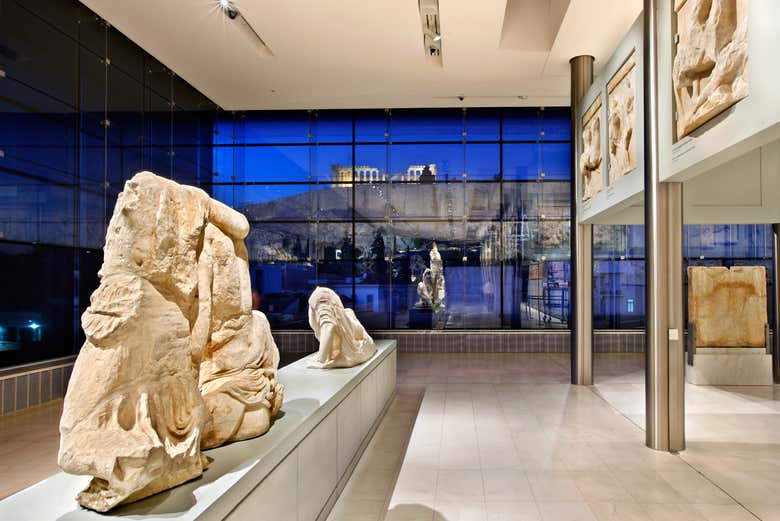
x: 293, y: 472
x: 730, y: 366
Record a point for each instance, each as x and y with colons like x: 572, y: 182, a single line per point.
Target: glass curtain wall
x: 355, y: 200
x: 82, y: 109
x: 619, y: 270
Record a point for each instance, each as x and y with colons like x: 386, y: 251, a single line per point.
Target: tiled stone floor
x: 732, y: 433
x: 29, y: 441
x: 505, y: 437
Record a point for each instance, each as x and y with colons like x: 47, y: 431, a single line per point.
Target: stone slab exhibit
x: 710, y: 70
x: 728, y: 306
x: 175, y: 360
x: 728, y: 315
x: 293, y: 472
x: 590, y: 159
x: 621, y: 128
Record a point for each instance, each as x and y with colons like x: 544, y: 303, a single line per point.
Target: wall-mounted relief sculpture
x: 710, y: 70
x: 174, y: 359
x: 728, y: 306
x: 590, y: 159
x: 343, y: 340
x: 621, y: 101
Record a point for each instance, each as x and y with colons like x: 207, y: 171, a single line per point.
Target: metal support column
x: 776, y: 325
x: 665, y: 356
x: 581, y: 277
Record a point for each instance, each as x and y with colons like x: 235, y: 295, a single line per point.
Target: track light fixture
x: 231, y: 11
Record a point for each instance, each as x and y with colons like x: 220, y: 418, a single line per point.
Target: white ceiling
x: 369, y: 53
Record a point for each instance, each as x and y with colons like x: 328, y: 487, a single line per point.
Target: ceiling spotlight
x: 437, y: 38
x: 232, y: 12
x: 228, y: 8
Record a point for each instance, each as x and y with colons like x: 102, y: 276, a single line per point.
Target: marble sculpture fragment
x: 343, y: 341
x: 432, y: 288
x: 175, y: 360
x: 621, y: 93
x: 710, y: 71
x: 728, y: 306
x: 590, y: 159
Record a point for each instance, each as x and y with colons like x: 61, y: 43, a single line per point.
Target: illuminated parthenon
x: 369, y: 174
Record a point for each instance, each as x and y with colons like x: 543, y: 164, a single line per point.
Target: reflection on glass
x: 34, y: 328
x: 619, y: 276
x: 82, y: 109
x: 536, y: 273
x: 288, y: 260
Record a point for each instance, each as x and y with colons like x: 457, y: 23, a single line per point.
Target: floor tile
x: 415, y: 485
x: 618, y: 511
x: 506, y: 485
x: 460, y: 511
x: 454, y: 485
x: 566, y: 511
x: 553, y: 486
x: 513, y: 511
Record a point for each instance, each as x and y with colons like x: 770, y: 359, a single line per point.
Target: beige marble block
x: 728, y: 306
x: 710, y: 71
x: 174, y: 358
x: 621, y: 96
x: 590, y: 159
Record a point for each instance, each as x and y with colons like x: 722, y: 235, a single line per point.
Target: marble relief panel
x: 710, y: 71
x: 621, y: 96
x: 590, y: 159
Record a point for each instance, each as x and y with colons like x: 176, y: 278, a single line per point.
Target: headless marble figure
x: 343, y: 341
x: 174, y: 358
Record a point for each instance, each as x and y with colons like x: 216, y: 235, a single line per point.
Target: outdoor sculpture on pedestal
x: 431, y: 289
x: 344, y: 341
x: 710, y: 68
x: 174, y: 360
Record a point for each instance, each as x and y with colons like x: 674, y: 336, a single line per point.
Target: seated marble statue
x: 174, y: 359
x: 343, y: 340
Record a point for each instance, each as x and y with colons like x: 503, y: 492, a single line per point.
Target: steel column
x: 664, y: 367
x: 776, y: 325
x: 581, y: 276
